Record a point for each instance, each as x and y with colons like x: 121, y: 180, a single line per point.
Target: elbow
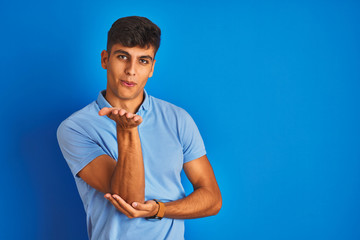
x: 217, y: 205
x: 127, y: 196
x: 114, y: 189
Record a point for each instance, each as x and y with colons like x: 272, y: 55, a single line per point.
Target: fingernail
x: 135, y: 204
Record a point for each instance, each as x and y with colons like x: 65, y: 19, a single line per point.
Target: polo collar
x: 102, y: 102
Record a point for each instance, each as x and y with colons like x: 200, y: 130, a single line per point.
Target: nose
x: 130, y: 68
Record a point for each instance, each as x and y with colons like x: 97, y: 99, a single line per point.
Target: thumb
x: 104, y: 111
x: 141, y: 206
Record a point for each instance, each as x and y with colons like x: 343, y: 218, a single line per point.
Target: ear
x: 104, y: 59
x: 152, y: 69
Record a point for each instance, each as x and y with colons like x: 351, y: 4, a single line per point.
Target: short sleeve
x: 76, y: 146
x: 191, y: 140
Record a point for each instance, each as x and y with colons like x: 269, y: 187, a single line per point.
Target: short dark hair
x: 134, y: 31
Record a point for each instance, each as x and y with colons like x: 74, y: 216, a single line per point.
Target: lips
x: 128, y: 83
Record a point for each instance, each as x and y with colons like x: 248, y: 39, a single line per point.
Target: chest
x: 161, y: 146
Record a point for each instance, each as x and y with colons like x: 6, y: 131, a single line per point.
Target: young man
x: 126, y: 149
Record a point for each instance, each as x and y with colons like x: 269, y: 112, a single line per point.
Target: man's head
x: 129, y: 59
x: 134, y: 31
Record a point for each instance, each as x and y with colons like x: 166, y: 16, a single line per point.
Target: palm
x: 123, y: 119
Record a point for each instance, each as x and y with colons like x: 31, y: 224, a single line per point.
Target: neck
x: 130, y: 105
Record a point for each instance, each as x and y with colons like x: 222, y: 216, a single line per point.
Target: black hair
x: 134, y: 31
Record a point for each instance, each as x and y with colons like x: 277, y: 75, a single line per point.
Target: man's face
x: 128, y: 70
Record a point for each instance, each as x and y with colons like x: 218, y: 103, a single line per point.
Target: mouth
x: 128, y: 83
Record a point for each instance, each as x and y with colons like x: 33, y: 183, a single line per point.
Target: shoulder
x: 168, y: 108
x: 80, y: 120
x: 175, y: 116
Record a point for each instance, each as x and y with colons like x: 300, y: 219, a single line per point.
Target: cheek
x: 149, y: 72
x: 110, y: 74
x: 114, y: 70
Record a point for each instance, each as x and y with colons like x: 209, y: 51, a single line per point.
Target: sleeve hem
x: 194, y: 156
x: 89, y: 159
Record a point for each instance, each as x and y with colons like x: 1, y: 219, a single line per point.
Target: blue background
x: 272, y: 85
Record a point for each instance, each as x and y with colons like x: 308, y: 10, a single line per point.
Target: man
x: 126, y: 149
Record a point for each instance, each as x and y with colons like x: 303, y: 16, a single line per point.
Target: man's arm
x: 126, y: 176
x: 204, y: 201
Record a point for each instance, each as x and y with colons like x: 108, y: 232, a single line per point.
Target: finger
x: 113, y: 201
x: 115, y: 111
x: 119, y: 207
x: 143, y: 206
x: 121, y: 201
x: 116, y: 204
x: 137, y: 118
x: 139, y: 121
x: 127, y: 207
x: 122, y: 112
x: 129, y: 115
x: 104, y: 111
x: 146, y: 211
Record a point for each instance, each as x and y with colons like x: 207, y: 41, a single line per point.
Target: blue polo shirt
x: 169, y: 138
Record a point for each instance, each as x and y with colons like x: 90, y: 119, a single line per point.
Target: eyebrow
x: 126, y: 53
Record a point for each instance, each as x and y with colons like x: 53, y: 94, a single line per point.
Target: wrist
x: 127, y: 132
x: 156, y: 210
x: 160, y: 210
x: 120, y: 128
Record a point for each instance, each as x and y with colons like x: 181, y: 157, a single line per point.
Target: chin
x: 126, y: 96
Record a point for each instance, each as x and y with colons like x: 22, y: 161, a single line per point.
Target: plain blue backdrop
x: 272, y: 85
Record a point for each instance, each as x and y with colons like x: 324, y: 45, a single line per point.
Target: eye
x: 122, y: 57
x: 144, y: 61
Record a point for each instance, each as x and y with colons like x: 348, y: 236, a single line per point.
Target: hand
x: 123, y: 119
x: 135, y: 210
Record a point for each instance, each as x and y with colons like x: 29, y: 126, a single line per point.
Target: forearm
x: 202, y: 202
x: 128, y: 180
